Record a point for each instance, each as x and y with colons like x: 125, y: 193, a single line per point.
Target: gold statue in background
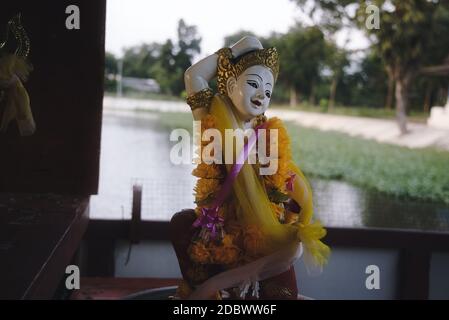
x: 14, y: 71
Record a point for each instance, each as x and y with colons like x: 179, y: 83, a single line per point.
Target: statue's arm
x: 197, y: 77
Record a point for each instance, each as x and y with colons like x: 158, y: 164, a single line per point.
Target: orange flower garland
x: 239, y: 244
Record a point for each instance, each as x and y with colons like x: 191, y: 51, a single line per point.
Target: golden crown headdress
x: 268, y: 57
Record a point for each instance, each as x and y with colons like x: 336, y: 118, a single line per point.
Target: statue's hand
x: 245, y: 45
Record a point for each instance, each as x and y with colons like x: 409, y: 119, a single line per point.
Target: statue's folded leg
x: 181, y: 233
x: 282, y: 286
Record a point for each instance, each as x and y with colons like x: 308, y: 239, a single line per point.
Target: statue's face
x: 251, y: 91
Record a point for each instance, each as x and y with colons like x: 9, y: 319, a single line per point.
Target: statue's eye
x: 252, y: 84
x: 268, y: 94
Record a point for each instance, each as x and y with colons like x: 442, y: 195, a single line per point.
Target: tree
x: 406, y: 33
x: 366, y: 86
x: 164, y: 62
x: 139, y: 60
x: 436, y: 54
x: 188, y: 45
x: 183, y: 53
x: 110, y: 65
x: 164, y: 69
x: 336, y: 60
x: 176, y: 57
x: 110, y: 68
x: 301, y: 52
x: 329, y: 15
x: 407, y: 27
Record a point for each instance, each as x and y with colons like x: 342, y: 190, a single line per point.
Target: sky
x: 133, y: 22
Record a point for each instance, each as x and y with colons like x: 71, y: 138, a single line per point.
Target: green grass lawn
x: 398, y: 171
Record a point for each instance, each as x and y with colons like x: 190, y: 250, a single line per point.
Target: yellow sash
x: 254, y: 207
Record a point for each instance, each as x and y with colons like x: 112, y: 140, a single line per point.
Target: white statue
x: 248, y: 227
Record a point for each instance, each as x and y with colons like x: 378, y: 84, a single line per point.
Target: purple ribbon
x: 210, y: 220
x: 209, y: 217
x: 289, y: 182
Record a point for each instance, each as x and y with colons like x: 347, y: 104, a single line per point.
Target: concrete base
x: 439, y: 117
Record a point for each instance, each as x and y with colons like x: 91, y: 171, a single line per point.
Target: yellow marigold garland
x: 199, y: 253
x: 240, y: 244
x: 253, y: 241
x: 277, y: 180
x: 205, y: 188
x: 208, y: 171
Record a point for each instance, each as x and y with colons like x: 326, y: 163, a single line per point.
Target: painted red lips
x: 256, y: 102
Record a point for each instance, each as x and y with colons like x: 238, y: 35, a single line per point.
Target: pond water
x: 135, y: 149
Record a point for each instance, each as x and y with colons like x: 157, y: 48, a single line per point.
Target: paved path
x: 381, y: 130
